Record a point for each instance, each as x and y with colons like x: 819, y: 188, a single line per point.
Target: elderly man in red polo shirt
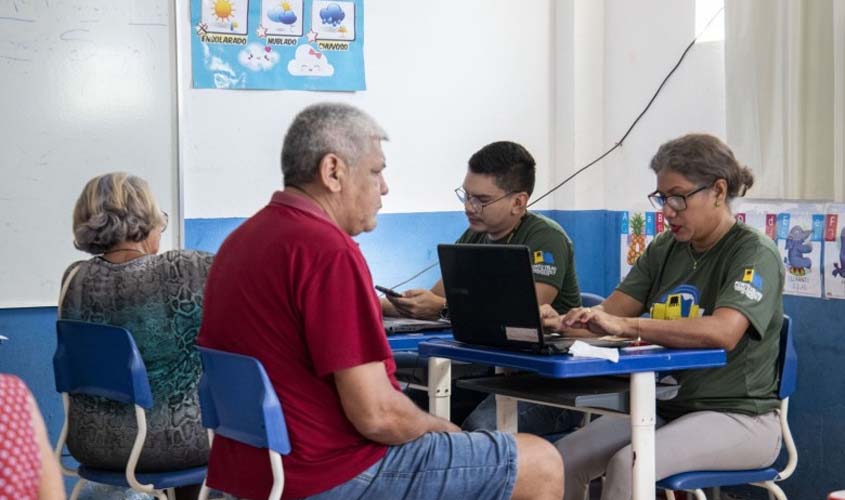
x: 291, y: 288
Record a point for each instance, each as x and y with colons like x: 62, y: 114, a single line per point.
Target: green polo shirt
x: 552, y: 256
x: 743, y: 271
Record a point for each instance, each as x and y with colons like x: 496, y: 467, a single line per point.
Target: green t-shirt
x: 743, y: 271
x: 552, y: 256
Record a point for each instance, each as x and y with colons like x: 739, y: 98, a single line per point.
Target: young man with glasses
x: 495, y: 192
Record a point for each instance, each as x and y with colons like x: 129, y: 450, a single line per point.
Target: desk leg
x: 439, y: 387
x: 642, y: 433
x: 507, y: 419
x: 506, y: 414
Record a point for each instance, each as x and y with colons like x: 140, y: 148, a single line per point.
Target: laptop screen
x: 491, y: 295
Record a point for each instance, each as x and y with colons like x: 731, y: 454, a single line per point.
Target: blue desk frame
x: 410, y: 341
x: 641, y: 364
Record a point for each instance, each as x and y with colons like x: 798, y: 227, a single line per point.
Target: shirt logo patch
x: 749, y: 276
x: 748, y: 290
x: 544, y: 263
x: 541, y: 257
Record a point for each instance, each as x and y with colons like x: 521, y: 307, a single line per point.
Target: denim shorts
x: 462, y: 465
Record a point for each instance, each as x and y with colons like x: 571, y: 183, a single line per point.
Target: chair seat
x: 159, y: 480
x: 710, y: 479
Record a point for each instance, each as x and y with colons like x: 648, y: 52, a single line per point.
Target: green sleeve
x: 753, y: 284
x: 551, y: 255
x: 638, y: 283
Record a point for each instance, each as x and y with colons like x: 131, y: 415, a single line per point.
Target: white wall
x: 565, y: 78
x: 444, y: 78
x: 643, y: 40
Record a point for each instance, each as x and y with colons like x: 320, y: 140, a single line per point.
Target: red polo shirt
x: 290, y: 288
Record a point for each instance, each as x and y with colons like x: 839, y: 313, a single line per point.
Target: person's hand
x: 594, y: 320
x: 418, y: 303
x: 450, y: 427
x: 550, y: 318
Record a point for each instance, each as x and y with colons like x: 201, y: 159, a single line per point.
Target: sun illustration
x: 285, y: 6
x: 223, y: 9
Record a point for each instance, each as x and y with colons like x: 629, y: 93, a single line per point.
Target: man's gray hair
x: 326, y: 128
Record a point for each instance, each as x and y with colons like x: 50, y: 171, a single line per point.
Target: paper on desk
x: 582, y: 349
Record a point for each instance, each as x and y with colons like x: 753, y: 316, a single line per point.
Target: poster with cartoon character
x: 278, y: 44
x: 799, y: 239
x: 636, y: 232
x: 834, y: 251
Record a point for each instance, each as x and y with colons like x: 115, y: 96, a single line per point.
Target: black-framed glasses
x: 677, y: 202
x: 474, y: 203
x: 166, y: 221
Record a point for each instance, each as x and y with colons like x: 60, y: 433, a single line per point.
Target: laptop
x: 394, y: 326
x: 492, y: 299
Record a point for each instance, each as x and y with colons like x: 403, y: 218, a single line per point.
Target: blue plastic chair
x: 239, y: 402
x: 591, y: 299
x: 764, y: 478
x: 103, y: 360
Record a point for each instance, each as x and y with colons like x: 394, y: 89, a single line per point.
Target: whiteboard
x: 88, y: 87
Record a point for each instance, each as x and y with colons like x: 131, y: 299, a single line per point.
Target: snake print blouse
x: 158, y: 298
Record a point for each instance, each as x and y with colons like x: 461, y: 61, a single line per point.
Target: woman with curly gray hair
x: 158, y: 298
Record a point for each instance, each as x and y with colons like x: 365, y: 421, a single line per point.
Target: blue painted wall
x: 405, y: 243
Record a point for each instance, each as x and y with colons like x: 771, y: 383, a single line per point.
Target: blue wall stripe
x: 403, y: 244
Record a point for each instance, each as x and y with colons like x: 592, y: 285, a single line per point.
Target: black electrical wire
x: 615, y: 146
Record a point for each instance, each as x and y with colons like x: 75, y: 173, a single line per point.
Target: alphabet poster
x: 834, y: 251
x: 636, y: 232
x: 278, y: 44
x: 799, y: 239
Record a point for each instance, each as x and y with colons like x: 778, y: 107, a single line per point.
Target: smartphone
x: 388, y: 291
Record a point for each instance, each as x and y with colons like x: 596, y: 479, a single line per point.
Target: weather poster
x: 799, y: 239
x: 278, y: 44
x: 636, y: 232
x: 834, y: 251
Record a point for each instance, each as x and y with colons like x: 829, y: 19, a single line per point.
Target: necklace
x: 692, y: 257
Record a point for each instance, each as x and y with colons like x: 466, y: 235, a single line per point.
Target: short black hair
x: 510, y: 164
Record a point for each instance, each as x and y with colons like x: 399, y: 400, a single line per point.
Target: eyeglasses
x: 475, y: 204
x: 677, y: 202
x: 166, y: 221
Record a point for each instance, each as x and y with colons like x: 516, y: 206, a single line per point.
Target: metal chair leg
x: 204, y: 490
x: 77, y: 488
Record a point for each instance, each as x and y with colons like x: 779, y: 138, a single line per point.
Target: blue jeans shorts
x: 462, y: 465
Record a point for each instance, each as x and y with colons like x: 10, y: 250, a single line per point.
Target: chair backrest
x: 591, y: 299
x: 100, y: 360
x: 787, y: 360
x: 239, y: 402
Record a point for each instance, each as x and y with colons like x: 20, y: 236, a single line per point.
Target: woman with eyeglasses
x: 158, y: 298
x: 720, y: 282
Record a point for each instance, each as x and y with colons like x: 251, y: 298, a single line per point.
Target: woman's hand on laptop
x: 593, y: 319
x: 418, y: 303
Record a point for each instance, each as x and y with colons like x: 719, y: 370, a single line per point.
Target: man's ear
x: 332, y: 170
x: 520, y: 202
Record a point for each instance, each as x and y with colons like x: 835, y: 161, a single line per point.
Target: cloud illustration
x: 258, y: 57
x: 310, y: 62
